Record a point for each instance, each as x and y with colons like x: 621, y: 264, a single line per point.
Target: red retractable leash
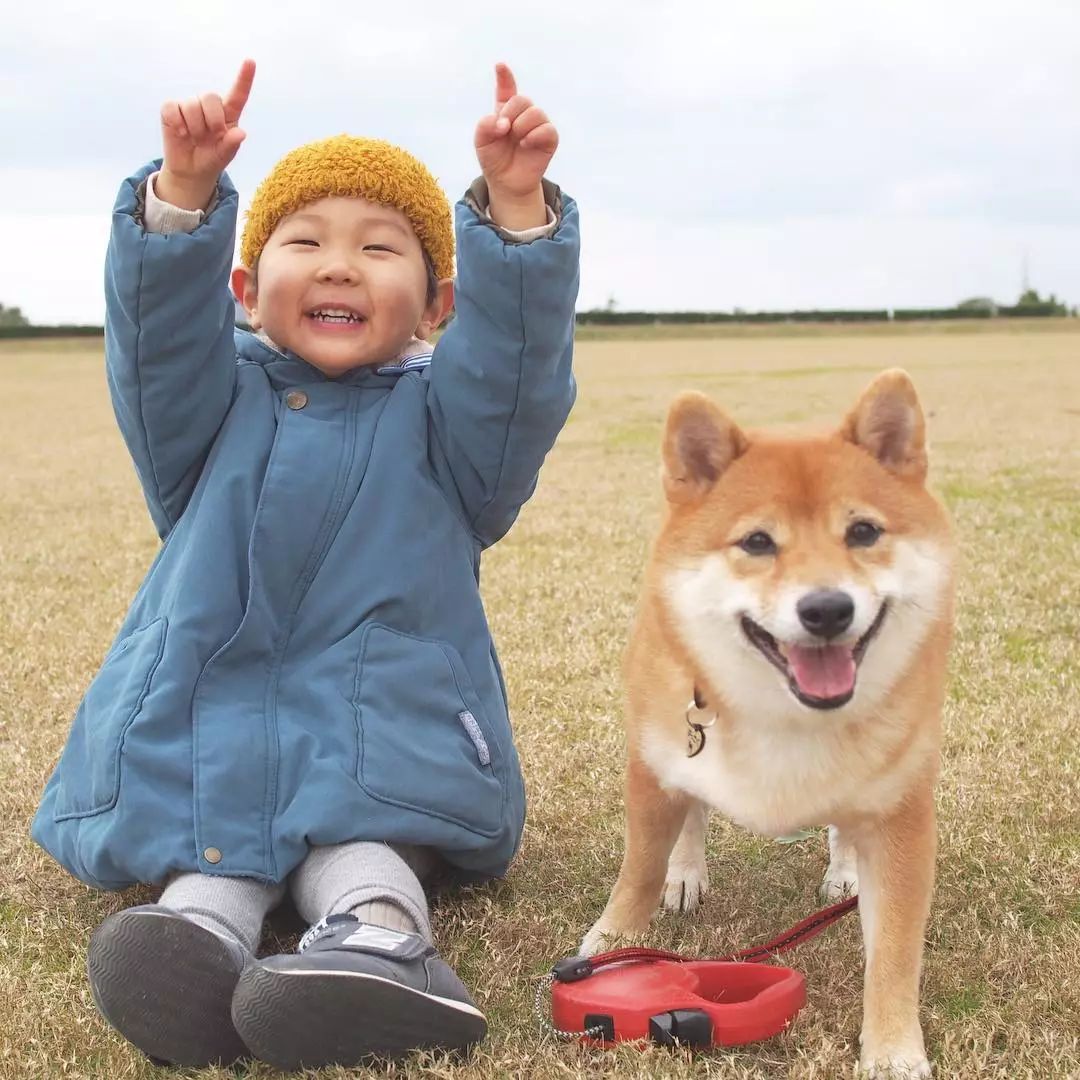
x: 673, y: 999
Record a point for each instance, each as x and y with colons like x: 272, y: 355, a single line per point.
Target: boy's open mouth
x: 336, y: 316
x: 821, y: 676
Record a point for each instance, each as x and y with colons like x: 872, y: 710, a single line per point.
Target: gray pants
x: 379, y: 883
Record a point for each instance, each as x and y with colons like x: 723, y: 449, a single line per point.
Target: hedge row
x: 614, y: 318
x: 611, y: 318
x: 51, y: 331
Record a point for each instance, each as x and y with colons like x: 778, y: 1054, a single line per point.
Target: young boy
x: 304, y: 695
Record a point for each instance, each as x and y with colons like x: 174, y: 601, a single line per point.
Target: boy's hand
x: 200, y: 137
x: 514, y: 145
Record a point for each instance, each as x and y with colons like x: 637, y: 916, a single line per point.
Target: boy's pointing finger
x: 238, y: 95
x: 505, y: 85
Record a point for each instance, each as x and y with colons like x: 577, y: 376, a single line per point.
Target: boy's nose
x: 338, y: 271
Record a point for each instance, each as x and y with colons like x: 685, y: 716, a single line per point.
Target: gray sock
x: 376, y: 882
x: 229, y: 907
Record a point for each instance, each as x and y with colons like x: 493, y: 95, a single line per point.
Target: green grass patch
x: 965, y: 1002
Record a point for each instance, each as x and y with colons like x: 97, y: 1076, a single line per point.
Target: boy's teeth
x: 335, y: 316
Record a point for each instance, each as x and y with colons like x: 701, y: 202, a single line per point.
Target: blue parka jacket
x: 308, y: 660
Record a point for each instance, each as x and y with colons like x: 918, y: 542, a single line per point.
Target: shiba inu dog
x: 800, y: 597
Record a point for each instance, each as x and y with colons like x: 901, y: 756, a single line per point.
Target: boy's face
x: 342, y: 283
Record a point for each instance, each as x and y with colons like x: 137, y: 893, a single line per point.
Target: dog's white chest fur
x: 775, y: 781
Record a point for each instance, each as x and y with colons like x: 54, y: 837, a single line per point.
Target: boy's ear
x: 436, y: 312
x: 243, y: 288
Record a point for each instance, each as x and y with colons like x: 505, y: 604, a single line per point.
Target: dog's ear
x: 700, y: 442
x: 888, y: 423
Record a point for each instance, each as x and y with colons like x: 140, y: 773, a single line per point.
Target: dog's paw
x: 839, y: 883
x: 911, y: 1066
x: 686, y: 884
x: 598, y: 939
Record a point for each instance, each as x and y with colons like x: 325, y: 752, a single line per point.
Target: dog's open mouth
x: 821, y: 676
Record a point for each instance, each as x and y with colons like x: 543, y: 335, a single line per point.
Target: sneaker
x: 166, y: 984
x: 353, y: 991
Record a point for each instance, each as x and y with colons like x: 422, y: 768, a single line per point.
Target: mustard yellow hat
x: 352, y: 166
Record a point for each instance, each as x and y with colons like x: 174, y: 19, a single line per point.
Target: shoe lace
x: 311, y: 934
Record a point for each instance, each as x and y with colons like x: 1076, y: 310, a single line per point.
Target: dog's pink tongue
x: 824, y: 672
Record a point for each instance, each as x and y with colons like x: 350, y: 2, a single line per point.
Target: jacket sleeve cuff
x: 479, y: 201
x: 163, y: 218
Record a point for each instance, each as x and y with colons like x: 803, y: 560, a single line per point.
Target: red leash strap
x: 800, y: 932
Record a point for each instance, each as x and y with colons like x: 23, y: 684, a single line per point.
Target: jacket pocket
x: 423, y: 738
x: 89, y: 769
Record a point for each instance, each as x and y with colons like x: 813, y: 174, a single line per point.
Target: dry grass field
x: 1001, y: 994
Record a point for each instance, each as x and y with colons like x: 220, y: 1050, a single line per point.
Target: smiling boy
x: 304, y: 695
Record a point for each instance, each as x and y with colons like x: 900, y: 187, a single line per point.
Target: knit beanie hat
x: 352, y: 166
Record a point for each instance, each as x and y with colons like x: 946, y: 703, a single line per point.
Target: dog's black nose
x: 826, y: 612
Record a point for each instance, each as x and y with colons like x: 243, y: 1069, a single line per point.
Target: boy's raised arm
x: 501, y: 385
x: 514, y: 145
x: 169, y: 346
x: 199, y: 139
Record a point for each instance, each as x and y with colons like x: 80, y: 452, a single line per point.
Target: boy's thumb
x: 231, y: 143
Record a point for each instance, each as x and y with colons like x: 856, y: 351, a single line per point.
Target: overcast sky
x: 811, y: 153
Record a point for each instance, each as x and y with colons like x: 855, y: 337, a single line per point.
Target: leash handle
x: 578, y: 967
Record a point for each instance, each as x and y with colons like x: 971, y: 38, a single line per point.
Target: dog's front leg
x: 687, y: 873
x: 654, y: 818
x: 896, y: 878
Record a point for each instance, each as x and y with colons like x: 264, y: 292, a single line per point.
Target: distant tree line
x: 14, y: 324
x: 25, y: 330
x: 1030, y: 305
x: 12, y: 316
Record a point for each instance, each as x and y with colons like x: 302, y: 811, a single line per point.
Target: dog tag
x: 695, y: 740
x: 695, y: 734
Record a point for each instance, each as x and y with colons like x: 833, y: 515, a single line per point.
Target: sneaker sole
x: 306, y: 1019
x: 166, y: 985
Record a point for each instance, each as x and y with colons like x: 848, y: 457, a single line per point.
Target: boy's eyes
x: 367, y: 247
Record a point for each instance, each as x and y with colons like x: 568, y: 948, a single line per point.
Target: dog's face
x: 802, y: 574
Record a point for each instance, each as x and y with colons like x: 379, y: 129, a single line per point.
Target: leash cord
x: 802, y: 931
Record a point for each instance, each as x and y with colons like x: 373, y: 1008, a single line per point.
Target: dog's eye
x: 758, y: 543
x: 862, y: 534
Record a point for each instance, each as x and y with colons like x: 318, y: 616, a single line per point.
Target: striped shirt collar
x: 414, y: 357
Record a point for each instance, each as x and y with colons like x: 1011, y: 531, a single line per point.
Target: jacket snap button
x: 296, y: 399
x: 212, y: 855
